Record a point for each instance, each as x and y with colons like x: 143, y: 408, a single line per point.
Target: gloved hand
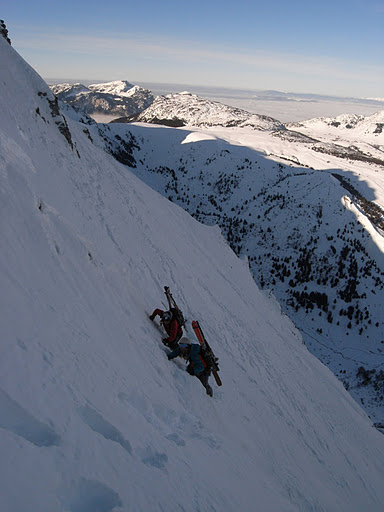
x: 151, y: 317
x: 165, y: 341
x: 169, y: 356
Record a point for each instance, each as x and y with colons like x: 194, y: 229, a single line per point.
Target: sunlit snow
x: 93, y: 417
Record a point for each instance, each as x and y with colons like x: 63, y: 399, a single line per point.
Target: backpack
x: 178, y: 315
x: 206, y: 357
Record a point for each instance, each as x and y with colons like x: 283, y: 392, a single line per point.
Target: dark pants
x: 175, y: 343
x: 203, y: 378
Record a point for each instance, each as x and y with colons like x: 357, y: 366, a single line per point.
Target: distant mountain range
x: 119, y: 98
x: 227, y: 94
x: 362, y: 136
x: 293, y: 96
x: 186, y: 109
x: 348, y: 136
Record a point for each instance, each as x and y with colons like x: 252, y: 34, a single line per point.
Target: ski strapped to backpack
x: 208, y: 353
x: 173, y: 307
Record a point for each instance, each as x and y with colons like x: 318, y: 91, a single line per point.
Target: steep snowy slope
x: 306, y: 226
x: 92, y: 414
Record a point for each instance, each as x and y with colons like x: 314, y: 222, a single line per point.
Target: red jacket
x: 173, y: 329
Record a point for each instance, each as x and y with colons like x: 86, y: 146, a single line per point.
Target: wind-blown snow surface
x: 93, y: 417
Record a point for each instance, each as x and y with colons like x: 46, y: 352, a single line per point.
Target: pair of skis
x: 172, y: 305
x: 211, y: 358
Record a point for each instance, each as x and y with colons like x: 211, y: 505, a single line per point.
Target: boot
x: 209, y: 390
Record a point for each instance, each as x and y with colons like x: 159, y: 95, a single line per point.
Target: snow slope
x: 93, y: 417
x: 296, y: 214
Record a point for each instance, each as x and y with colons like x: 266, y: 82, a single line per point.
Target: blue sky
x: 328, y: 47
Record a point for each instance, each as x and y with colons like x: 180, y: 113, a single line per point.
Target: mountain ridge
x: 118, y: 98
x: 186, y: 109
x: 189, y: 109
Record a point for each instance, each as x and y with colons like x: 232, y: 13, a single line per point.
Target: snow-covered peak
x: 356, y: 125
x: 69, y: 89
x: 117, y: 88
x: 188, y: 109
x: 378, y: 117
x: 343, y: 120
x: 133, y: 90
